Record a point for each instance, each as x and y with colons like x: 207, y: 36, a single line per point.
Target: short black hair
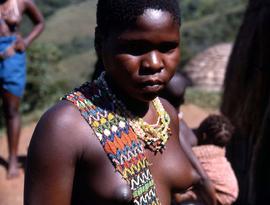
x: 215, y: 129
x: 112, y: 14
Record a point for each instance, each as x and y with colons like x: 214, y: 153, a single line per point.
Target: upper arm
x: 53, y: 152
x: 33, y: 12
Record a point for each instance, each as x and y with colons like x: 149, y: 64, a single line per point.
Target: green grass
x: 77, y: 68
x: 72, y: 30
x: 204, y: 99
x: 74, y: 21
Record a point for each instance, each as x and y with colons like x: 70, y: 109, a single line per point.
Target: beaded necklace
x: 154, y: 136
x: 111, y: 122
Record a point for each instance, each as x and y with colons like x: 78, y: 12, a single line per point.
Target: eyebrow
x: 146, y: 42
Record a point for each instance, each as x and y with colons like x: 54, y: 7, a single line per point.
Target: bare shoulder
x: 61, y: 130
x: 59, y: 142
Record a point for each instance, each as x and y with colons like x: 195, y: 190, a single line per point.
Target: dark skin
x: 205, y: 192
x: 66, y: 162
x: 174, y: 92
x: 10, y: 26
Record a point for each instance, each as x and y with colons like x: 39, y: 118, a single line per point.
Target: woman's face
x: 141, y: 59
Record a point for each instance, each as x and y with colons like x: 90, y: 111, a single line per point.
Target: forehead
x: 152, y: 23
x: 155, y: 18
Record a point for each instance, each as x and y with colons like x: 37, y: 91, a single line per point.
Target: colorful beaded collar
x: 118, y: 132
x: 154, y: 136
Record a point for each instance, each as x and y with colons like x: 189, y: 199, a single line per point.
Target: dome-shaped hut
x: 207, y: 69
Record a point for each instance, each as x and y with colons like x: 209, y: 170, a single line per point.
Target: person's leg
x: 13, y: 124
x: 14, y: 78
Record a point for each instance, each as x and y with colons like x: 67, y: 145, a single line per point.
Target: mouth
x: 152, y: 86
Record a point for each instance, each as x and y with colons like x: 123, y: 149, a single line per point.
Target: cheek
x: 123, y: 69
x: 127, y: 63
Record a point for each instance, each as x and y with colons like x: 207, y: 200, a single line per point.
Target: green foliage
x: 77, y: 46
x: 208, y: 24
x: 82, y: 63
x: 73, y: 22
x: 195, y: 9
x: 48, y: 7
x: 41, y: 86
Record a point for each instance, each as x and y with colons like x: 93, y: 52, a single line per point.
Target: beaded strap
x: 118, y: 140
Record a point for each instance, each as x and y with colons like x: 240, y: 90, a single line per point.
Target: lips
x: 152, y: 88
x: 152, y: 85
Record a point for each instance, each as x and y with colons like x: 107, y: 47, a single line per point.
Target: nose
x: 152, y: 62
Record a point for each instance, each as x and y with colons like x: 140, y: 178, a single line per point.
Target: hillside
x: 81, y: 66
x: 71, y: 29
x: 74, y: 21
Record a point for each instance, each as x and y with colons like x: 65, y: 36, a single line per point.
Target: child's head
x: 138, y: 42
x: 215, y: 129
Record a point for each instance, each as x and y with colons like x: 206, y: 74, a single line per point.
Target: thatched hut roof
x: 207, y: 69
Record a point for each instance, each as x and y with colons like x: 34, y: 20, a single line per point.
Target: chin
x: 146, y: 97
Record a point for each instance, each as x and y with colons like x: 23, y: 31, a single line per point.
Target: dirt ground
x: 11, y: 191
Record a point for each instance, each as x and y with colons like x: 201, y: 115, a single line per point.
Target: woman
x: 13, y: 67
x: 113, y: 141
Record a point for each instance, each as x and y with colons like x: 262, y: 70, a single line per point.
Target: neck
x: 135, y: 106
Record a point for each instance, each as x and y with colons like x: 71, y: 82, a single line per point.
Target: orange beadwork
x: 118, y: 139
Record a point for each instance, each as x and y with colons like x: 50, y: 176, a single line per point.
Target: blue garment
x: 12, y: 69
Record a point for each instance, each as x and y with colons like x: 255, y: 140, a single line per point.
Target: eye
x: 137, y: 48
x: 168, y: 47
x: 133, y: 47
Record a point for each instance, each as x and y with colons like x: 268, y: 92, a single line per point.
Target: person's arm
x: 31, y: 10
x: 53, y: 152
x: 204, y: 188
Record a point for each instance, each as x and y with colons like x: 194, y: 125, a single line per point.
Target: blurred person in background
x: 246, y: 102
x: 13, y: 67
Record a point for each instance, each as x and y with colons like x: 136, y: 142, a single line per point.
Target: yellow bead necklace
x: 154, y: 136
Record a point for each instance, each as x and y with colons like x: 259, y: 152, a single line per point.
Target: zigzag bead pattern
x: 118, y: 139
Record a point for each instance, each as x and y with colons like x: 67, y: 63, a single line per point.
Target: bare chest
x: 10, y: 14
x: 98, y: 181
